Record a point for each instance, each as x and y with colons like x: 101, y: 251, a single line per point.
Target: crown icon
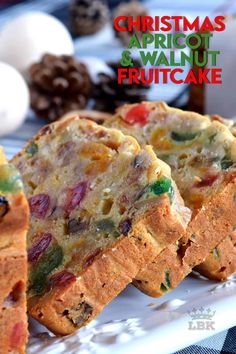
x: 201, y: 314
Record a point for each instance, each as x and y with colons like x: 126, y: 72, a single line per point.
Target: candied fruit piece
x: 17, y: 335
x: 50, y: 259
x: 161, y: 186
x: 138, y: 114
x: 206, y: 181
x: 181, y: 137
x: 107, y: 226
x: 226, y: 163
x: 10, y: 181
x: 32, y: 149
x: 166, y: 285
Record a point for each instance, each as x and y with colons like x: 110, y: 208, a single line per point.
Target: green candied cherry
x: 10, y: 180
x: 107, y: 226
x: 226, y: 163
x: 32, y: 149
x: 181, y: 137
x: 161, y: 186
x: 50, y: 260
x: 166, y: 284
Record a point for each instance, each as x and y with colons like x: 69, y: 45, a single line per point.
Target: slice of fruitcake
x: 202, y: 155
x: 101, y: 208
x: 221, y: 262
x: 13, y: 260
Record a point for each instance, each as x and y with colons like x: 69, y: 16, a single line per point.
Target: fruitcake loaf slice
x: 13, y: 260
x: 221, y: 262
x: 202, y: 155
x: 101, y: 207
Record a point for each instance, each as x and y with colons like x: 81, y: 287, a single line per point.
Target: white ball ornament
x: 14, y: 99
x: 25, y: 39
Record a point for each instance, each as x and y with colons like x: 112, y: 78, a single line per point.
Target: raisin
x: 138, y: 114
x: 76, y: 226
x: 39, y: 247
x: 75, y: 196
x: 4, y: 206
x: 125, y: 226
x: 62, y: 278
x: 32, y: 149
x: 39, y: 205
x: 46, y: 130
x: 50, y: 259
x: 80, y: 314
x: 181, y: 137
x: 89, y: 260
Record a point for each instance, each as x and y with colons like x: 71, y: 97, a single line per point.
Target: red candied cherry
x: 39, y: 247
x: 138, y: 114
x: 61, y: 278
x: 75, y: 196
x: 17, y: 335
x: 206, y: 181
x: 39, y: 205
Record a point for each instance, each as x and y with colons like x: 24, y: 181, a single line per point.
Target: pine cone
x: 134, y: 9
x: 88, y: 16
x: 108, y: 94
x: 58, y: 84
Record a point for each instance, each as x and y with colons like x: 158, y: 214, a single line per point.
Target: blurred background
x: 83, y: 52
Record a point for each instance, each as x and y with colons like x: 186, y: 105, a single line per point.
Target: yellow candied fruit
x: 195, y: 200
x: 159, y: 141
x: 95, y: 151
x: 204, y: 170
x: 96, y: 167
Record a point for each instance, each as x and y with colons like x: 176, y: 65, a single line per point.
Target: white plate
x: 136, y: 323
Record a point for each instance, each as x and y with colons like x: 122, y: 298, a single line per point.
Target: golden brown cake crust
x: 217, y: 214
x: 221, y: 263
x: 106, y: 277
x: 65, y: 308
x: 13, y: 273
